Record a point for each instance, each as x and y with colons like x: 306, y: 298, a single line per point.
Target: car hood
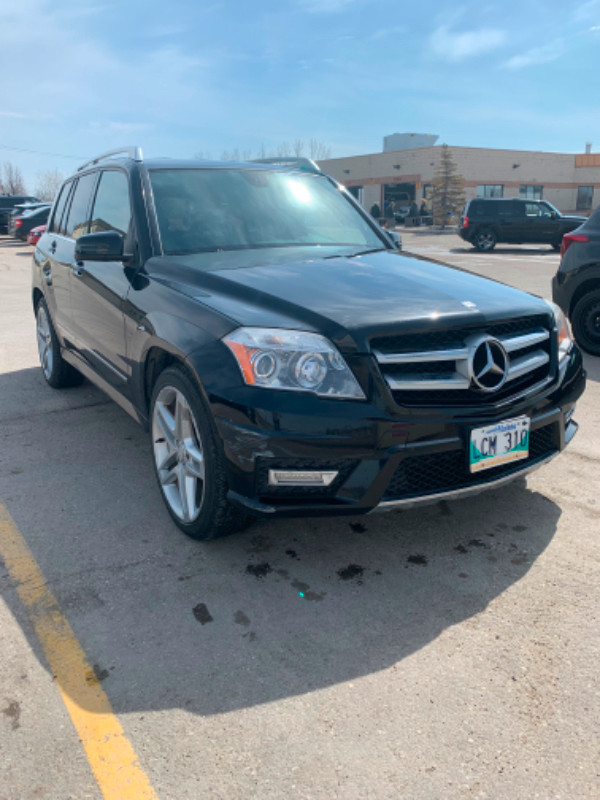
x: 348, y: 299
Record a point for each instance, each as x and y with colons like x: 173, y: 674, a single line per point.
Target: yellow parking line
x: 111, y: 756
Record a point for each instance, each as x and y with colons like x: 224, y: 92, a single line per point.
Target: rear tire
x: 55, y: 369
x: 485, y: 240
x: 188, y: 459
x: 585, y: 319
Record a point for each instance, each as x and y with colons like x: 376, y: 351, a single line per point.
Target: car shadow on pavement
x: 592, y: 367
x: 504, y: 251
x: 12, y: 243
x: 282, y: 609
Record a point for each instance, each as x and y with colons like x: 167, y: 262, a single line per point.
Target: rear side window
x: 476, y: 209
x: 510, y: 208
x: 112, y: 209
x: 78, y: 219
x: 54, y: 226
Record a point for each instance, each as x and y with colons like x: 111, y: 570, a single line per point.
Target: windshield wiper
x: 360, y: 253
x: 372, y: 250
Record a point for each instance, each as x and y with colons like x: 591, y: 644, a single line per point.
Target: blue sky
x: 184, y: 77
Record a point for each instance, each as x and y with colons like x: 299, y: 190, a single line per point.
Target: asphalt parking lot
x: 446, y: 652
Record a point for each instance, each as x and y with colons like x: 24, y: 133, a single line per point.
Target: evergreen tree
x: 448, y: 194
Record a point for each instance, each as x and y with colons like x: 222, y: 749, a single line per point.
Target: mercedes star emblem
x: 489, y: 365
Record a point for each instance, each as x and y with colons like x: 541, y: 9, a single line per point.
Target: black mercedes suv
x: 488, y: 221
x: 286, y: 358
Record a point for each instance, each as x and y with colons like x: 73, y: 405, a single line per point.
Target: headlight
x: 565, y: 337
x: 294, y: 360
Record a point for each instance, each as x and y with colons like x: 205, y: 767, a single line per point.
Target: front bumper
x: 385, y: 462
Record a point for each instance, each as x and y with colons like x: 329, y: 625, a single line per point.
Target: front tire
x: 585, y: 319
x: 55, y: 369
x: 485, y: 240
x: 188, y: 459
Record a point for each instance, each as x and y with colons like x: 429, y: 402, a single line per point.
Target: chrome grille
x: 444, y: 376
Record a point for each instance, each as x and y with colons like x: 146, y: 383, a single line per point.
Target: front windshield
x: 208, y: 210
x: 551, y: 207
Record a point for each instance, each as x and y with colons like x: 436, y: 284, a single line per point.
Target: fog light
x: 290, y: 477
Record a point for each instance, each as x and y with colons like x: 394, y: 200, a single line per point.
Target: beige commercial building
x: 570, y: 182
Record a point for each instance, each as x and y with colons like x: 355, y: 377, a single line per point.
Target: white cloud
x: 537, y: 55
x: 13, y: 115
x: 455, y: 47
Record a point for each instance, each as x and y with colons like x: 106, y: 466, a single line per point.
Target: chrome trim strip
x: 427, y: 382
x: 511, y: 343
x: 524, y: 364
x: 426, y: 355
x: 457, y: 494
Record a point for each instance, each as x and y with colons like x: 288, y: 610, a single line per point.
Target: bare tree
x: 448, y: 195
x: 297, y: 148
x: 11, y: 180
x: 319, y: 150
x: 48, y: 183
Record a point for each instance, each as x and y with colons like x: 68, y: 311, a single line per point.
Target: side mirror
x: 105, y: 246
x: 396, y: 239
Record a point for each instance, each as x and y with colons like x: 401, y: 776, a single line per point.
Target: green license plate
x: 498, y: 444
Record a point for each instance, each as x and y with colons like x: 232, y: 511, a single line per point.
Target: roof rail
x: 297, y: 162
x: 132, y: 152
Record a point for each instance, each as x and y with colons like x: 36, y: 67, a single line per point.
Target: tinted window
x: 59, y: 208
x: 77, y: 223
x: 507, y: 208
x: 476, y: 209
x: 112, y: 211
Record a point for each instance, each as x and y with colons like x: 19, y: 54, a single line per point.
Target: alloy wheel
x: 44, y: 341
x: 178, y: 454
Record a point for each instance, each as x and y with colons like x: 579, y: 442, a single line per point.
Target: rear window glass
x: 78, y: 220
x: 59, y: 207
x: 112, y: 210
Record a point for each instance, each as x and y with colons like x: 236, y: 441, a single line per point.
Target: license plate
x: 498, y: 444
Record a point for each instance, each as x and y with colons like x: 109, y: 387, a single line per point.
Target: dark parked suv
x: 7, y: 203
x: 286, y: 358
x: 576, y: 285
x: 486, y: 222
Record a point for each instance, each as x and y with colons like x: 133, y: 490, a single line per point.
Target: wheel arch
x: 590, y: 285
x: 36, y: 296
x: 157, y: 359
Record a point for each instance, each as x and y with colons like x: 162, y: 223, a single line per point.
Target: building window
x: 356, y: 192
x: 585, y: 197
x: 490, y: 190
x: 531, y: 192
